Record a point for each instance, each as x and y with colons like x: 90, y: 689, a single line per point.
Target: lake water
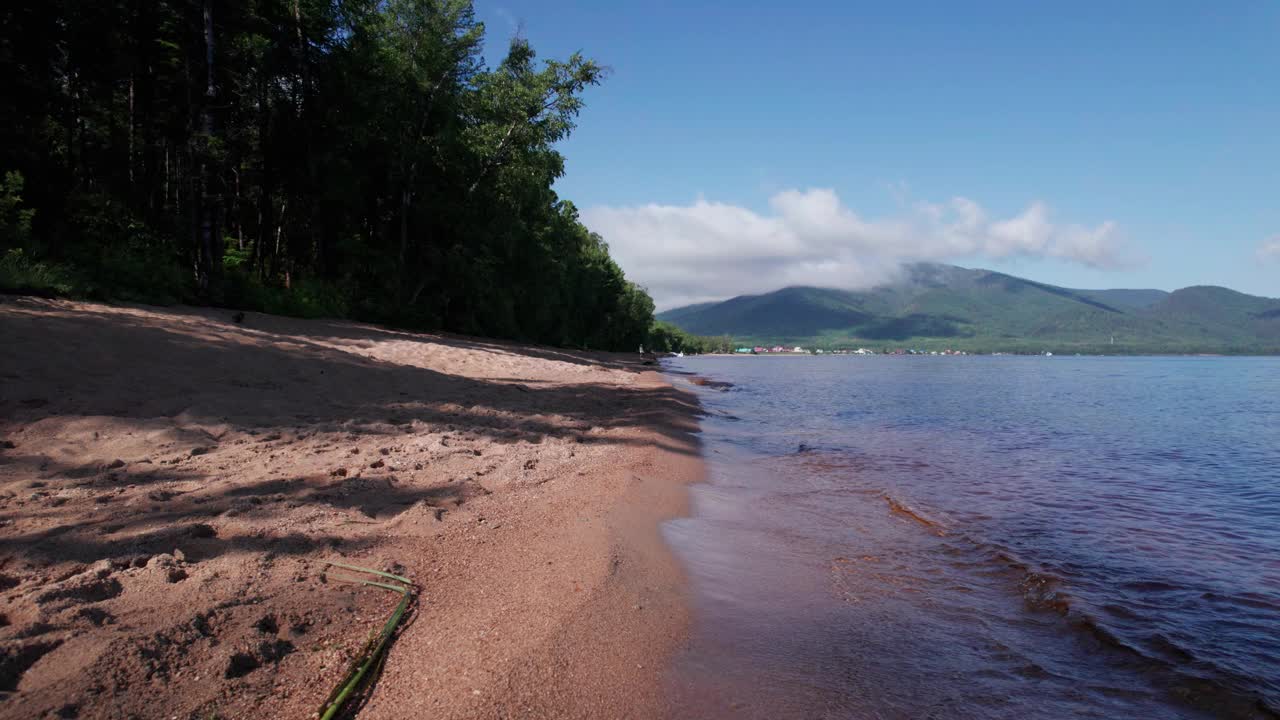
x: 984, y: 537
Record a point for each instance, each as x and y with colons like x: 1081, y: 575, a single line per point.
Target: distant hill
x: 933, y: 306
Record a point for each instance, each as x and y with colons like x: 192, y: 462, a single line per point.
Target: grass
x: 21, y: 274
x: 126, y: 277
x: 135, y: 277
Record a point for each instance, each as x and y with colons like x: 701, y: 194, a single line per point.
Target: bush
x: 665, y: 337
x: 15, y: 221
x: 306, y: 298
x: 20, y: 273
x: 138, y: 277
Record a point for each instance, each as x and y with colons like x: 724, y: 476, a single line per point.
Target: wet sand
x: 170, y: 481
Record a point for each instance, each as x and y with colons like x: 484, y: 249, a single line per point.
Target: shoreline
x: 171, y: 481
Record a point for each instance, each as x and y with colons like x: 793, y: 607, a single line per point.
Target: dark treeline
x: 665, y: 337
x: 320, y: 157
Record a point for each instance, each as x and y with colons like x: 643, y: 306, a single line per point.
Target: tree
x: 350, y: 157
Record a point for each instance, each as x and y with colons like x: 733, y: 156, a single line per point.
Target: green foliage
x: 115, y: 257
x: 307, y: 298
x: 138, y: 276
x: 351, y: 158
x: 15, y: 220
x: 666, y: 337
x: 18, y: 272
x: 235, y: 257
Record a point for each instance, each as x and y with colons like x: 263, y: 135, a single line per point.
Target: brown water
x: 985, y: 538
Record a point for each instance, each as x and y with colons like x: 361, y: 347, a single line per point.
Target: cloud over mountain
x: 710, y: 250
x: 1269, y: 250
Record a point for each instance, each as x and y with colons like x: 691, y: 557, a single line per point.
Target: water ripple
x: 1084, y: 536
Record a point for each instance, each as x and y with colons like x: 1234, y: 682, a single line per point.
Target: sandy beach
x: 171, y: 482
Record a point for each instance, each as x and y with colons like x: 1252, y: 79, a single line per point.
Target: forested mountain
x: 339, y: 157
x: 934, y: 306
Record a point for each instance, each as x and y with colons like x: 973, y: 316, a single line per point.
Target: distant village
x: 797, y: 350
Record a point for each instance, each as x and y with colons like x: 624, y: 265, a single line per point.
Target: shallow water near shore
x: 983, y: 537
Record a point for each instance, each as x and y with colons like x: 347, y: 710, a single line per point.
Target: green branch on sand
x: 364, y: 669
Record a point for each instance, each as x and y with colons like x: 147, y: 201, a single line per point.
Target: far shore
x: 967, y: 353
x: 172, y: 479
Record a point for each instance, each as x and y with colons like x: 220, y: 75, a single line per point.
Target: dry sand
x: 170, y: 481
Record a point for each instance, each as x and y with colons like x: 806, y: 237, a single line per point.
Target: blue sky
x: 1118, y: 144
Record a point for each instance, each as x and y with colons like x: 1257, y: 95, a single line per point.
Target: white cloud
x: 710, y: 251
x: 1269, y: 250
x: 514, y: 25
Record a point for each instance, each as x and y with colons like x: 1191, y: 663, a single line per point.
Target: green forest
x: 336, y: 158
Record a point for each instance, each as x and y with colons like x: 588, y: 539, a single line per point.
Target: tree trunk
x: 131, y: 178
x: 276, y: 262
x: 235, y: 212
x: 405, y: 199
x: 207, y: 212
x: 267, y: 181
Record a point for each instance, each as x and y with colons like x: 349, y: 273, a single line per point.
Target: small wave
x: 709, y: 383
x: 1152, y: 586
x: 1255, y: 601
x: 1045, y: 591
x: 1189, y: 679
x: 907, y: 511
x: 1103, y: 635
